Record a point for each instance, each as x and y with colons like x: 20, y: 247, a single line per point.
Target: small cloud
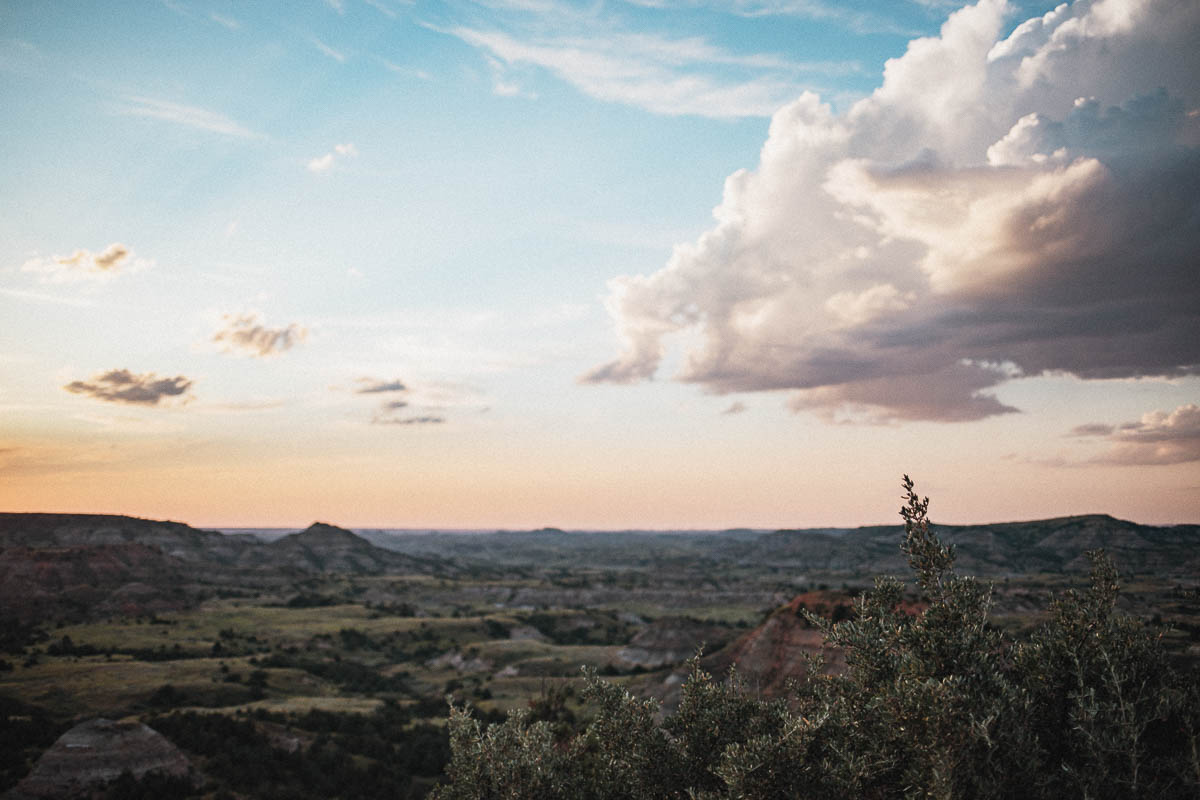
x: 321, y: 163
x: 381, y: 8
x: 226, y: 22
x: 504, y: 88
x: 325, y: 163
x: 85, y: 265
x: 387, y: 413
x: 1159, y: 437
x: 247, y: 334
x: 178, y: 8
x: 123, y: 386
x: 400, y: 69
x: 422, y: 420
x: 736, y: 407
x: 112, y: 256
x: 373, y: 386
x: 337, y: 5
x: 329, y: 51
x: 502, y: 83
x: 1092, y: 429
x: 354, y: 272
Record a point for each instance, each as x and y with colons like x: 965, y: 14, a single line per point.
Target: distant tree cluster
x: 384, y: 754
x: 25, y: 731
x: 936, y: 704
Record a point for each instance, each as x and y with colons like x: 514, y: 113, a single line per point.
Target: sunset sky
x: 653, y: 263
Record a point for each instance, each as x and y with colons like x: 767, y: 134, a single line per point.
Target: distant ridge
x: 319, y: 548
x: 997, y: 549
x: 175, y: 539
x: 95, y: 564
x: 1049, y: 545
x: 322, y: 547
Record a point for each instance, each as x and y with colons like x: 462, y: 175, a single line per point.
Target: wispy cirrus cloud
x: 188, y: 116
x: 183, y: 10
x: 838, y: 13
x: 336, y: 55
x: 401, y: 69
x: 41, y: 297
x: 1159, y: 437
x: 247, y: 334
x: 123, y: 386
x: 225, y: 22
x: 382, y: 8
x: 661, y: 74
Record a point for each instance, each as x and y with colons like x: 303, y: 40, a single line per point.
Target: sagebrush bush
x: 936, y: 703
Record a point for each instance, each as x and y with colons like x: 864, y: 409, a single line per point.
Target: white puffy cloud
x: 1026, y: 200
x: 86, y: 265
x: 248, y: 335
x: 325, y: 162
x: 321, y: 163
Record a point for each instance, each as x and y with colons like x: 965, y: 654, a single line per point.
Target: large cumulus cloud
x: 1006, y: 203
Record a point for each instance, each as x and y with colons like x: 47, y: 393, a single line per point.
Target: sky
x: 618, y: 264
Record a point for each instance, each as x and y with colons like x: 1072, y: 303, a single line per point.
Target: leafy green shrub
x: 936, y: 703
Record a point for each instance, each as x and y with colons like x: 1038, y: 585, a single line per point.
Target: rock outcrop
x: 96, y: 752
x: 767, y: 656
x: 671, y: 640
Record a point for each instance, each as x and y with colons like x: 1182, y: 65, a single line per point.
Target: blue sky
x: 598, y: 265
